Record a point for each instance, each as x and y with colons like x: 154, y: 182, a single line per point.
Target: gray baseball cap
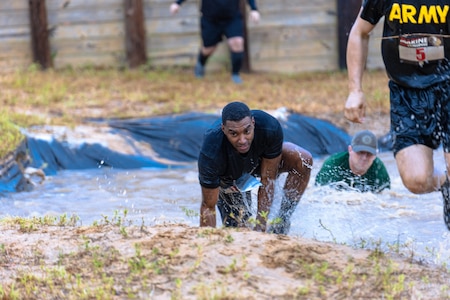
x: 365, y: 141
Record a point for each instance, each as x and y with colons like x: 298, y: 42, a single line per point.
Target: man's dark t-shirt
x: 416, y: 43
x: 222, y: 9
x: 219, y: 164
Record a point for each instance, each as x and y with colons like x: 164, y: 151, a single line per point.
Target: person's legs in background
x: 202, y: 58
x: 234, y: 33
x: 211, y: 33
x: 236, y: 64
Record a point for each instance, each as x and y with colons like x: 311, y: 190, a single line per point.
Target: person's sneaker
x: 236, y: 78
x: 445, y: 190
x: 199, y: 70
x: 280, y: 226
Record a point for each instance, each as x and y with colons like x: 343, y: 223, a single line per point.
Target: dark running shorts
x: 214, y: 30
x: 235, y: 208
x: 420, y: 116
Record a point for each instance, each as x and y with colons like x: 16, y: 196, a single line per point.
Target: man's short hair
x: 235, y: 111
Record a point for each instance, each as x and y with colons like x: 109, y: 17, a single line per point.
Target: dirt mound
x: 112, y: 261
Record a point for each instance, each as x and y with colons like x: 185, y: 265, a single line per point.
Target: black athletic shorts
x: 234, y: 208
x: 420, y: 116
x: 214, y: 30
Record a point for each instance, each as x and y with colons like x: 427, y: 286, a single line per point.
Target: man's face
x: 361, y: 161
x: 240, y: 133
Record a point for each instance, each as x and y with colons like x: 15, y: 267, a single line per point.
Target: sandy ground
x: 111, y: 261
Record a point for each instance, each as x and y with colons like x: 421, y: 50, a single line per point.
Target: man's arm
x: 357, y: 50
x: 269, y: 173
x: 208, y: 207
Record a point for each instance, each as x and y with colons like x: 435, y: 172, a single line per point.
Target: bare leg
x: 447, y: 162
x: 203, y: 55
x: 445, y: 190
x: 416, y: 167
x: 207, y: 51
x: 236, y: 45
x: 298, y: 163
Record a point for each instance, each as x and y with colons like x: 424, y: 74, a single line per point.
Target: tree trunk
x: 135, y: 42
x: 39, y: 34
x: 246, y: 60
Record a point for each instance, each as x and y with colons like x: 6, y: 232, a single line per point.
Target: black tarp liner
x: 177, y: 138
x: 317, y: 136
x: 55, y: 155
x: 11, y: 180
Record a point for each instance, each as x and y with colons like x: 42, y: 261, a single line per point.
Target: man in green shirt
x: 357, y: 169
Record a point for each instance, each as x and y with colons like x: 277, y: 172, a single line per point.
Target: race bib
x: 419, y: 49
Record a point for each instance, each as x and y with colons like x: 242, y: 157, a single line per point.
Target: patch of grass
x: 34, y: 223
x: 73, y: 94
x: 25, y: 120
x: 10, y: 135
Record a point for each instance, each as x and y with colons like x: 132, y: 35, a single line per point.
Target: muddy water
x: 394, y: 219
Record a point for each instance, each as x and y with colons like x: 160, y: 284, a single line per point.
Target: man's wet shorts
x: 420, y: 116
x: 234, y: 208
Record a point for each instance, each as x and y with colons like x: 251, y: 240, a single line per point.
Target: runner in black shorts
x: 416, y: 53
x: 213, y: 30
x: 221, y: 18
x: 242, y: 146
x: 422, y: 116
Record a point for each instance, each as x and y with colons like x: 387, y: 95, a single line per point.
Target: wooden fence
x: 293, y: 35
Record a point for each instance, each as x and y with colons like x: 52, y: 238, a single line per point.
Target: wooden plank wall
x: 172, y: 40
x: 15, y: 39
x: 86, y: 32
x: 293, y: 35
